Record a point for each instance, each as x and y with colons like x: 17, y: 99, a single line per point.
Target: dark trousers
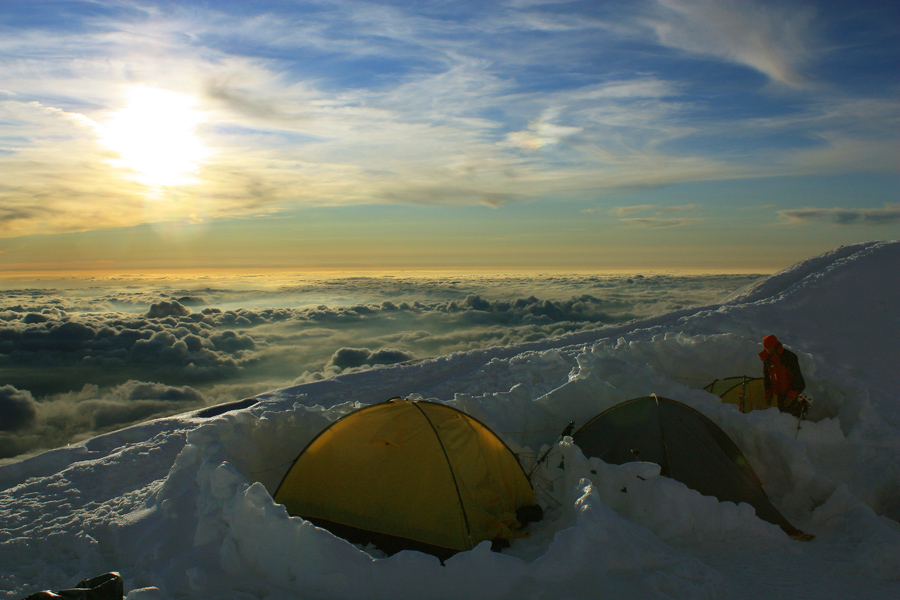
x: 782, y: 402
x: 794, y: 407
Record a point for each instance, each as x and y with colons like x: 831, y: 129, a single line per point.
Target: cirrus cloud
x: 656, y: 222
x: 662, y: 215
x: 774, y: 39
x: 888, y: 215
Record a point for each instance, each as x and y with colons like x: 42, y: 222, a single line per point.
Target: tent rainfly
x: 687, y: 445
x: 748, y: 393
x: 410, y: 475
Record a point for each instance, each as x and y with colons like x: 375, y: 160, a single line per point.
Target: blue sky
x: 519, y: 135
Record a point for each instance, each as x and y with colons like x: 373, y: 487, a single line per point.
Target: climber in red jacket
x: 781, y: 373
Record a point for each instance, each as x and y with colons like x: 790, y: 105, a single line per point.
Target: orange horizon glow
x: 279, y: 276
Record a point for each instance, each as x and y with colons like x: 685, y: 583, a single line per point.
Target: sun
x: 155, y: 137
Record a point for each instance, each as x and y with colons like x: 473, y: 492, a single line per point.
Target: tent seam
x: 462, y: 504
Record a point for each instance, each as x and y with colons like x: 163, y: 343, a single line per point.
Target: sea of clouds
x: 80, y: 360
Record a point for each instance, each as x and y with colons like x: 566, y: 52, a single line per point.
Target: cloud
x: 624, y: 211
x: 244, y: 102
x: 656, y: 223
x: 774, y: 39
x: 167, y: 309
x: 175, y: 345
x: 542, y: 132
x: 347, y: 358
x: 136, y: 401
x: 17, y: 408
x: 661, y: 220
x: 662, y: 210
x: 63, y: 418
x: 888, y: 215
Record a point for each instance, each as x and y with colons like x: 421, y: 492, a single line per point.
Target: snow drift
x: 183, y: 506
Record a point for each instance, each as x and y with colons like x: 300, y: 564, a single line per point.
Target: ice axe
x: 803, y: 404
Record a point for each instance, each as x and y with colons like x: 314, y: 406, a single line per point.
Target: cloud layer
x: 74, y: 362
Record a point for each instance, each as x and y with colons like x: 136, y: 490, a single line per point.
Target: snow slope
x: 182, y: 506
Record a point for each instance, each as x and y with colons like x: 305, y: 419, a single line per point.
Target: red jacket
x: 781, y: 373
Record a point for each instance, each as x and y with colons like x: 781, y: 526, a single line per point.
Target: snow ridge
x: 783, y: 281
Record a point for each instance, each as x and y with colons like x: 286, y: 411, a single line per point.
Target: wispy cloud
x: 541, y: 133
x: 888, y: 215
x: 663, y: 210
x: 624, y: 211
x: 656, y: 222
x: 346, y: 103
x: 774, y: 39
x: 662, y: 216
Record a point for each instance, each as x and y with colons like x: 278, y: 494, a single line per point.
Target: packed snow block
x: 413, y: 475
x: 108, y: 586
x: 687, y: 445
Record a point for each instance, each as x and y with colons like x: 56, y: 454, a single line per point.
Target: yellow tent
x: 747, y: 392
x: 406, y: 474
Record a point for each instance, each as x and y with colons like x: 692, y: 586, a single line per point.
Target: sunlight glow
x: 155, y: 137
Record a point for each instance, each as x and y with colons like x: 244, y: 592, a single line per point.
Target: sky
x: 519, y: 135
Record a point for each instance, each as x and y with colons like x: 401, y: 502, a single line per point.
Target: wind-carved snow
x: 183, y: 506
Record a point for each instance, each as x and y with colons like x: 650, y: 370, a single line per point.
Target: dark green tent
x: 688, y: 446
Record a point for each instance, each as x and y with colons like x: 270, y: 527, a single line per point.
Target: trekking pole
x: 804, y: 408
x: 565, y: 432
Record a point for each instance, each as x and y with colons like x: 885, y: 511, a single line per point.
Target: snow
x: 182, y: 506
